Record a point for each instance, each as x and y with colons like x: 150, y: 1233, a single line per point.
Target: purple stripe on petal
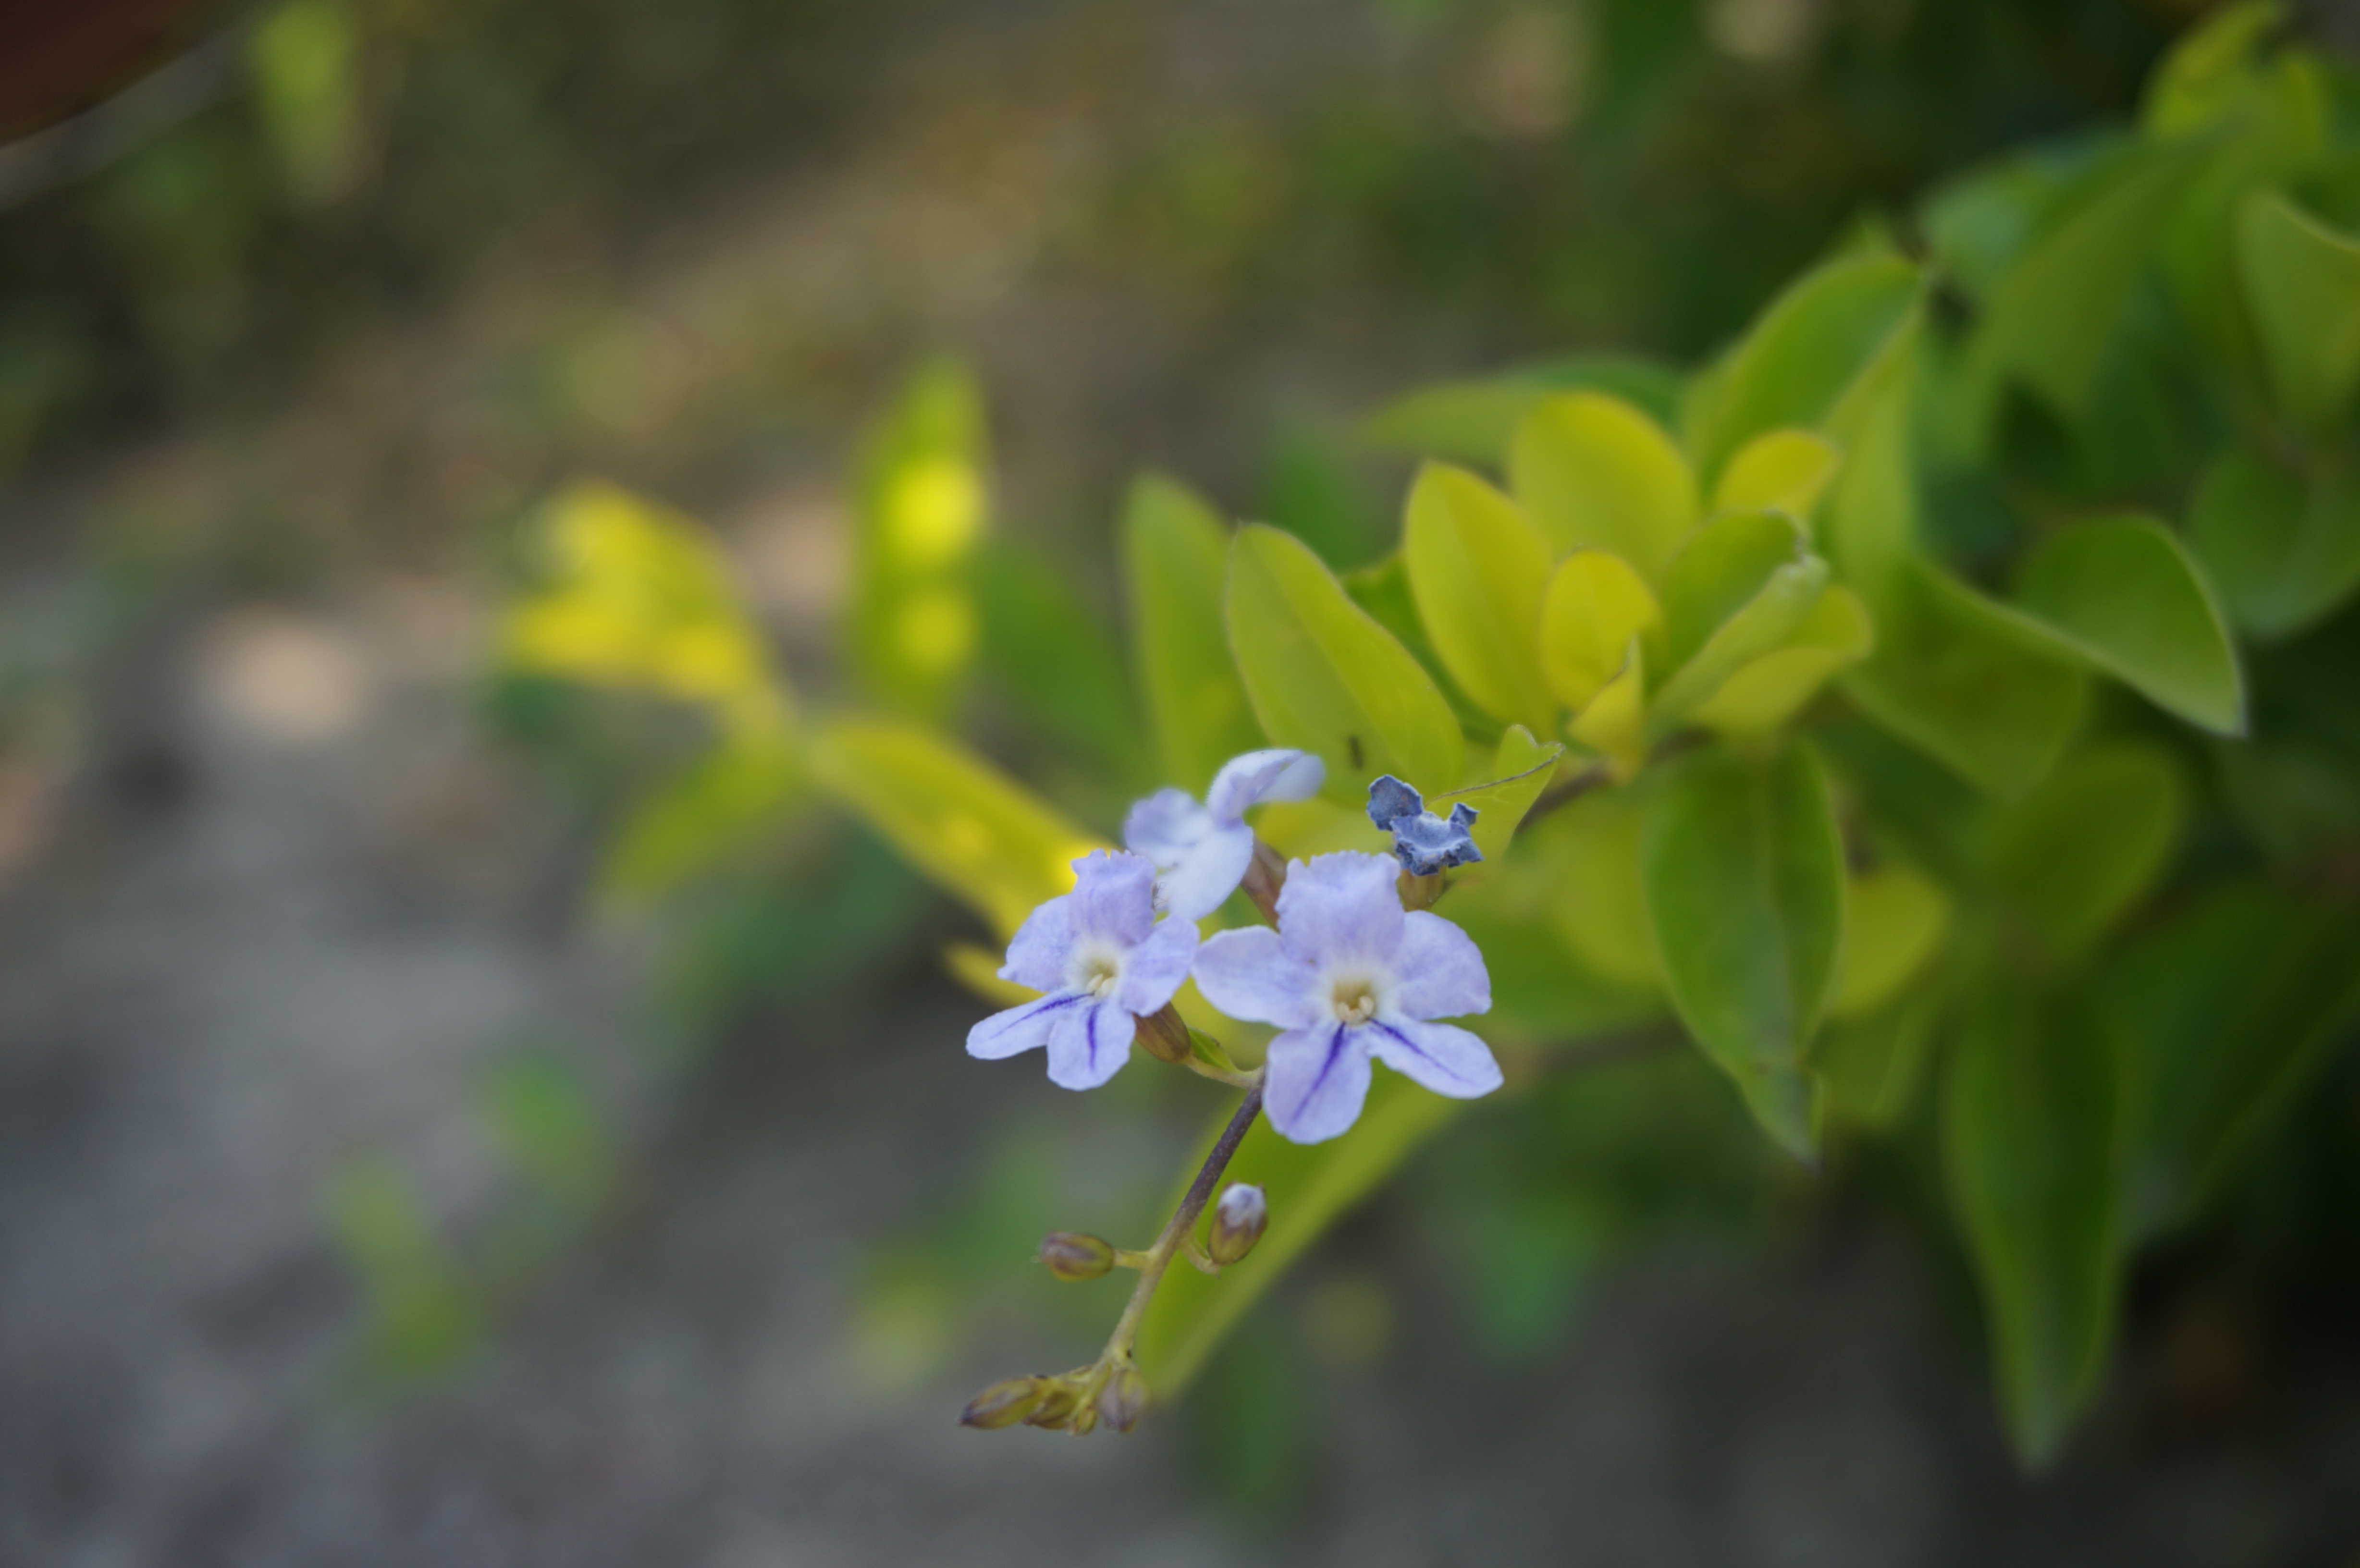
x: 1317, y: 1080
x: 1018, y: 1028
x: 1441, y: 1057
x: 1090, y: 1046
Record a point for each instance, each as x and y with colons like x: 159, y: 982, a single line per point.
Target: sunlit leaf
x: 1739, y: 589
x: 2032, y: 1108
x: 1593, y: 472
x: 967, y: 825
x: 2127, y: 597
x: 1595, y: 606
x: 1743, y: 871
x: 1511, y: 781
x: 1478, y: 571
x: 1761, y: 696
x: 1598, y: 898
x: 1779, y: 471
x: 1322, y: 675
x: 1472, y: 421
x: 1895, y: 919
x: 1615, y: 723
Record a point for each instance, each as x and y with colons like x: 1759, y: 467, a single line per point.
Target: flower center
x: 1096, y: 971
x: 1355, y: 999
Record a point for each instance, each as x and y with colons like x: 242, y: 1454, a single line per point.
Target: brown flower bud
x: 1163, y: 1035
x: 1123, y: 1399
x: 1004, y: 1403
x: 1058, y: 1399
x: 1239, y: 1217
x: 1073, y: 1256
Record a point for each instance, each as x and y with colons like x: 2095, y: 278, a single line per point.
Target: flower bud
x: 1058, y: 1397
x: 1004, y: 1403
x: 1239, y: 1219
x: 1123, y: 1399
x: 1165, y: 1036
x: 1073, y: 1256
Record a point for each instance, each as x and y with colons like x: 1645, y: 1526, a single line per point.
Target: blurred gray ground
x: 282, y: 901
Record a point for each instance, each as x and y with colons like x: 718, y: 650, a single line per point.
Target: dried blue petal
x: 1390, y: 799
x: 1426, y: 844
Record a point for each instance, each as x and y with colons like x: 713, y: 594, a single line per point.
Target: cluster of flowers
x: 1348, y: 977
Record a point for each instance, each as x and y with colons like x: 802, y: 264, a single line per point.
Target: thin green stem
x: 1168, y: 1245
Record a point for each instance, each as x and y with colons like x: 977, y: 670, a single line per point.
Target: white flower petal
x: 1038, y: 953
x: 1208, y: 872
x: 1278, y: 774
x: 1165, y: 826
x: 1114, y: 896
x: 1439, y: 970
x: 1443, y: 1057
x: 1153, y: 970
x: 1317, y: 1080
x: 1019, y: 1029
x: 1341, y: 908
x: 1250, y: 974
x: 1088, y: 1045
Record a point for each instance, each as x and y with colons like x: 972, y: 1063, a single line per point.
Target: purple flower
x: 1346, y: 976
x: 1202, y: 852
x: 1103, y: 961
x: 1422, y: 843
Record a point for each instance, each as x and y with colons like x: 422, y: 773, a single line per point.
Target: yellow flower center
x: 1355, y: 1000
x: 1098, y: 973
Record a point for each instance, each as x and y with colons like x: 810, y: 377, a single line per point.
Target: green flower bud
x: 1239, y: 1219
x: 1123, y: 1399
x: 1059, y: 1399
x: 1004, y: 1403
x: 1073, y: 1256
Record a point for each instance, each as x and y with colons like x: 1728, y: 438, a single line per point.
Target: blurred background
x: 379, y: 1183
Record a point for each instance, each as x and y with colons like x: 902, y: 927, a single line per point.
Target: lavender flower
x: 1348, y: 975
x: 1202, y: 852
x: 1104, y: 962
x: 1422, y: 843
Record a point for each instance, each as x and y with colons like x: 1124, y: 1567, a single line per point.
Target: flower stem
x: 1176, y: 1231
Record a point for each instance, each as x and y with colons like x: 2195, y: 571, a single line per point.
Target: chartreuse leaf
x: 2032, y: 1111
x: 1739, y: 589
x: 1895, y: 919
x: 2231, y: 1006
x: 1760, y: 696
x: 1478, y: 571
x: 1310, y: 1187
x: 920, y: 511
x: 1600, y: 902
x: 2282, y: 555
x: 1593, y: 472
x: 1514, y: 779
x: 1826, y: 344
x: 1615, y: 725
x: 2301, y: 284
x: 1472, y: 421
x: 1779, y: 471
x: 702, y: 817
x: 1175, y: 553
x: 1869, y: 529
x: 1324, y: 676
x: 1957, y: 678
x: 2071, y: 859
x: 1866, y: 1071
x: 2049, y: 319
x: 954, y: 816
x: 640, y: 598
x: 1743, y: 872
x: 1595, y: 605
x: 2127, y: 597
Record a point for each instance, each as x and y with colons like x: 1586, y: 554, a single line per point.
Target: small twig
x: 1182, y: 1222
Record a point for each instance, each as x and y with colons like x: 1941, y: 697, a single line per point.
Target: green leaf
x: 1310, y: 1187
x: 1595, y: 472
x: 2209, y: 69
x: 1740, y: 588
x: 702, y: 817
x: 2051, y: 317
x: 1743, y: 871
x: 1478, y: 571
x: 1779, y: 471
x: 2303, y: 285
x: 921, y: 508
x: 2127, y: 597
x: 1895, y: 919
x: 955, y: 817
x: 2283, y: 555
x: 1598, y: 900
x: 1175, y: 552
x: 1061, y: 667
x: 1760, y: 696
x: 2230, y: 1007
x: 1866, y: 1071
x: 1825, y: 345
x: 1472, y: 421
x: 1957, y: 678
x: 1595, y: 605
x: 2072, y: 859
x: 2032, y: 1108
x: 1324, y: 676
x: 1519, y: 771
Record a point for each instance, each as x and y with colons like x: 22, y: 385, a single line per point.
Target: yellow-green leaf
x: 1514, y: 779
x: 1760, y: 696
x: 1175, y: 553
x: 1895, y: 919
x: 1599, y: 905
x: 1324, y: 676
x: 954, y: 816
x: 1739, y: 589
x: 1596, y: 603
x: 2301, y: 283
x: 1478, y: 571
x: 1593, y: 471
x: 1779, y: 471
